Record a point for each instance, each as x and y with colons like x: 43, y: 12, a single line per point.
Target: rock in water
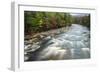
x: 54, y: 53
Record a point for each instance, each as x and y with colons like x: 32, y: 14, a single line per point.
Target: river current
x: 72, y: 44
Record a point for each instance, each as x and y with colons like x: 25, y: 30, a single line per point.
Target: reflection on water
x: 73, y: 44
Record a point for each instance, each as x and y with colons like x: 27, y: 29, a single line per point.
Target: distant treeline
x: 36, y: 21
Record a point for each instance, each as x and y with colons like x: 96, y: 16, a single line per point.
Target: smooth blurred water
x: 73, y: 44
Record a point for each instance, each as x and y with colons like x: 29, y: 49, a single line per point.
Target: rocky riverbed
x: 65, y: 43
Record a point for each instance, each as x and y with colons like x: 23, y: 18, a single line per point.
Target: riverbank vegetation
x: 36, y: 21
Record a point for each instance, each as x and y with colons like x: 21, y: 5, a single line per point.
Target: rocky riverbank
x: 32, y: 43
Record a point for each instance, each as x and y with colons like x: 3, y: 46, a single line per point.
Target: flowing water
x: 72, y: 44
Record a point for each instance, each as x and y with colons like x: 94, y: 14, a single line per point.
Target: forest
x: 36, y: 21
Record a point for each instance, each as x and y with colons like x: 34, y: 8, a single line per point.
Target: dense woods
x: 36, y: 21
x: 83, y: 20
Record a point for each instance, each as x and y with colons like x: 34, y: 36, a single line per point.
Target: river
x: 72, y: 44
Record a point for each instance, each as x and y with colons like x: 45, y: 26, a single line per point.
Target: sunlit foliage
x: 43, y: 21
